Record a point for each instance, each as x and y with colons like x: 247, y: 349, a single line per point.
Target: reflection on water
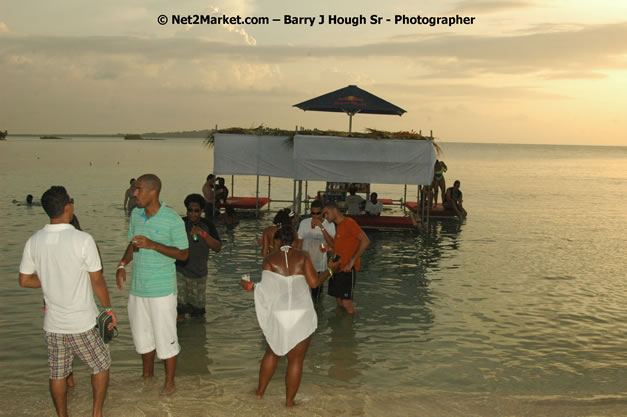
x: 519, y: 310
x: 343, y: 362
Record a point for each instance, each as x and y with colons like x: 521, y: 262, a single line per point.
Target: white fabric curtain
x: 235, y: 154
x: 382, y: 161
x: 326, y: 158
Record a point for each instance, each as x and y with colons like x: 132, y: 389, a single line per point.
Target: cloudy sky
x: 544, y: 71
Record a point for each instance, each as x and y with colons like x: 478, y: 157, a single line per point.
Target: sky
x: 547, y: 72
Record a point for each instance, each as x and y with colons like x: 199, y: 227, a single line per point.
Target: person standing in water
x: 350, y: 243
x: 57, y: 258
x: 285, y: 310
x: 129, y: 197
x: 156, y: 239
x: 191, y: 275
x: 315, y: 236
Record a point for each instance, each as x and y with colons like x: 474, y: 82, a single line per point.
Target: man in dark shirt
x: 453, y: 200
x: 191, y: 275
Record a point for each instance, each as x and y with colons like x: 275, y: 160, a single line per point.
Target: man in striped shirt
x: 157, y: 238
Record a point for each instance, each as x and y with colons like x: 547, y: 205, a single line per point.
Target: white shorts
x: 153, y: 325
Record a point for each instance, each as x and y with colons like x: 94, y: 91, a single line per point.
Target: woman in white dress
x: 285, y: 311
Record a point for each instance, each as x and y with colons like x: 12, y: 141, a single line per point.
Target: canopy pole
x: 257, y: 199
x: 300, y: 197
x: 232, y: 185
x: 350, y: 123
x: 405, y: 199
x: 294, y: 196
x: 213, y: 207
x: 306, y: 196
x: 269, y: 199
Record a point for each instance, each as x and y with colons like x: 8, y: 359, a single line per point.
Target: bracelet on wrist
x: 330, y: 272
x: 204, y: 235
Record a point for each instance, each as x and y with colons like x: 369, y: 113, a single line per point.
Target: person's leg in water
x: 295, y: 359
x: 99, y: 383
x: 266, y: 370
x: 348, y: 306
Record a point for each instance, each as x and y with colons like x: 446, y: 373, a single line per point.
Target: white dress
x: 285, y: 311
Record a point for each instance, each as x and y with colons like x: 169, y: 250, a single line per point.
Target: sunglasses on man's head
x: 193, y: 210
x: 316, y: 213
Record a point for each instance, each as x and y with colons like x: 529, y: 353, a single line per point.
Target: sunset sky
x: 552, y: 71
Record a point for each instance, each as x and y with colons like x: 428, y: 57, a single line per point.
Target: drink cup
x: 246, y: 277
x: 323, y: 248
x: 135, y: 248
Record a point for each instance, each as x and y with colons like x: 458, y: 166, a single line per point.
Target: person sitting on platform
x: 374, y: 207
x: 353, y: 202
x: 453, y: 200
x: 222, y: 193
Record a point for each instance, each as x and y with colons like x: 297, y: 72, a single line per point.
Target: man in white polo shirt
x: 315, y: 235
x: 64, y: 262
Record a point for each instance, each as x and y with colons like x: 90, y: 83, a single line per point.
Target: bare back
x: 299, y: 263
x: 207, y: 192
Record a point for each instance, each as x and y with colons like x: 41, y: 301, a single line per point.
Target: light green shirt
x: 154, y: 274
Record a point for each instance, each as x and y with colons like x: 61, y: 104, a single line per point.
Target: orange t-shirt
x: 346, y: 242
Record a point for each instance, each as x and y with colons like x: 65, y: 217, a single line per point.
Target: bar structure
x: 324, y: 158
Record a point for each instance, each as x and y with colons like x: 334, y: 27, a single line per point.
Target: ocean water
x: 517, y: 311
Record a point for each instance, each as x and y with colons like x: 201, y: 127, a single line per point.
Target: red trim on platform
x: 439, y: 211
x: 247, y: 203
x: 398, y: 222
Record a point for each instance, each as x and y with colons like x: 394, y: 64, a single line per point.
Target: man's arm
x: 120, y: 274
x: 266, y: 244
x: 213, y: 243
x: 328, y: 238
x: 143, y: 242
x: 364, y: 242
x: 29, y: 281
x: 213, y: 238
x: 99, y: 286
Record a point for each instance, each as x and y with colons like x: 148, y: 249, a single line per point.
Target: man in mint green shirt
x: 157, y: 239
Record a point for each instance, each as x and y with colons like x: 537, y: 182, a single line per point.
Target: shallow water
x: 517, y: 311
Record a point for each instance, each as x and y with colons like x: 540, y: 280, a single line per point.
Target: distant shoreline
x: 187, y: 134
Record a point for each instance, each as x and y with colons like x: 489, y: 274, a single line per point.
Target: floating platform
x: 439, y: 211
x: 384, y: 222
x: 245, y: 203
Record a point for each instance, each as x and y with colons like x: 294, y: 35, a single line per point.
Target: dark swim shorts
x: 342, y: 284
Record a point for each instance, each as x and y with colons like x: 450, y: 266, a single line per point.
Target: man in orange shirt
x: 350, y: 243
